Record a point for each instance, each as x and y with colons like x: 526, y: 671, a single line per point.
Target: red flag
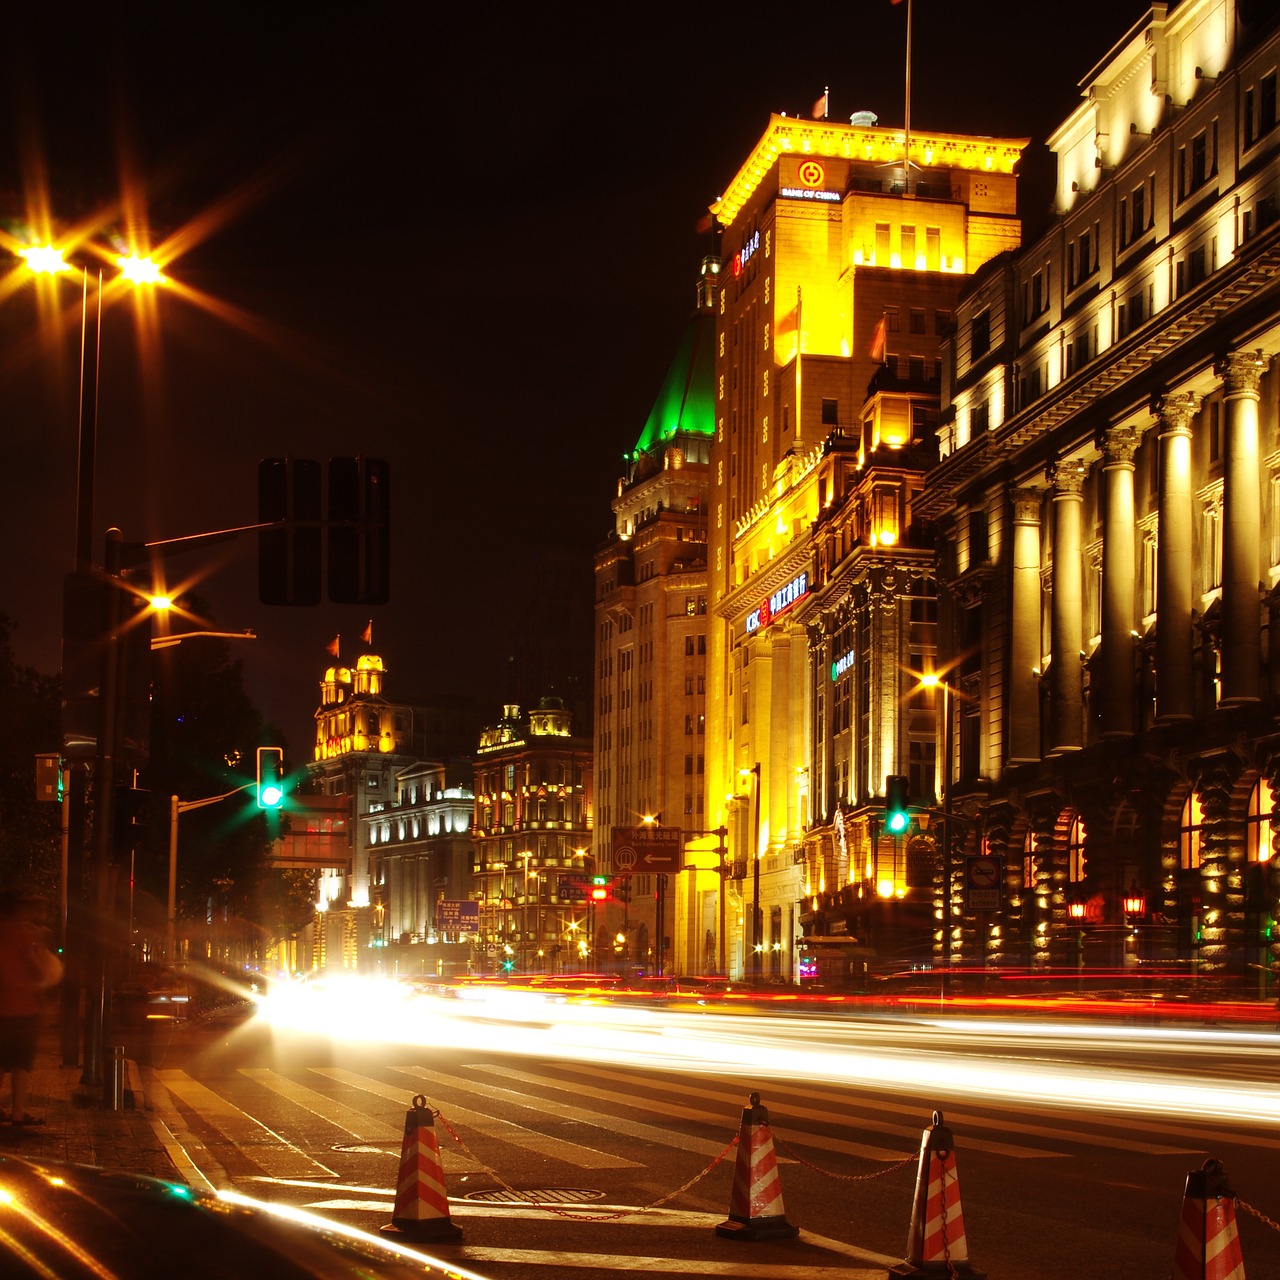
x: 878, y: 338
x: 332, y: 647
x: 366, y: 636
x: 820, y: 107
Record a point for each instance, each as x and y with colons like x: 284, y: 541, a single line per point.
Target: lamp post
x: 932, y: 680
x: 47, y: 260
x: 524, y: 914
x: 1076, y: 910
x: 757, y: 941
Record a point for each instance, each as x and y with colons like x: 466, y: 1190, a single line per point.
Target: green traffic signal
x: 897, y: 812
x: 270, y: 777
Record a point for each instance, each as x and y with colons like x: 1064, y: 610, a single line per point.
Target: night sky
x: 470, y: 252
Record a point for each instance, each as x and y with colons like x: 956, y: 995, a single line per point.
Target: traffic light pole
x: 176, y: 808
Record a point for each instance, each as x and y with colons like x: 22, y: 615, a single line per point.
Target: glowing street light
x: 140, y: 271
x: 44, y: 260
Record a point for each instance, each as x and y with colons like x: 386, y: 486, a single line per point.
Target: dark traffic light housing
x: 129, y: 817
x: 358, y: 527
x: 270, y: 777
x: 897, y: 812
x: 289, y: 552
x: 359, y: 531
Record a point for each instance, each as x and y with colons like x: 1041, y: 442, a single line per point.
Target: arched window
x: 1261, y: 804
x: 1075, y: 852
x: 1189, y: 833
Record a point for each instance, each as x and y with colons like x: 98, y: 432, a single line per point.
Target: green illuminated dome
x: 686, y: 403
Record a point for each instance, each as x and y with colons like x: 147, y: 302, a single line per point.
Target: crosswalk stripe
x: 1070, y: 1132
x: 686, y: 1088
x: 359, y: 1125
x: 590, y: 1159
x: 274, y: 1156
x: 493, y: 1127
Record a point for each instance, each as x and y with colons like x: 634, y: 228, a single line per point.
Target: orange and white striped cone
x: 1208, y: 1245
x: 755, y: 1205
x: 937, y: 1245
x: 422, y: 1207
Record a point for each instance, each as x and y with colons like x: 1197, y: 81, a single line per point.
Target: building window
x: 830, y: 413
x: 1150, y: 561
x: 1262, y: 803
x: 1189, y: 833
x: 1211, y: 559
x: 1077, y: 862
x: 980, y: 335
x: 916, y: 319
x: 881, y: 258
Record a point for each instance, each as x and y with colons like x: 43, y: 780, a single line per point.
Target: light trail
x: 941, y: 1058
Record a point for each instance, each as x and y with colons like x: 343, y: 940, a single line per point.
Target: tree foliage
x: 205, y: 732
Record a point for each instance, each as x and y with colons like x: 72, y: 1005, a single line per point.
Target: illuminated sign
x: 812, y: 174
x: 778, y: 603
x: 745, y: 254
x: 807, y: 193
x: 841, y: 665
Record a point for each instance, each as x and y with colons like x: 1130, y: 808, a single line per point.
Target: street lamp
x: 756, y: 940
x: 931, y: 680
x: 48, y: 260
x: 524, y: 914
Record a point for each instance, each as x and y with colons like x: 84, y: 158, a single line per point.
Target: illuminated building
x: 1110, y: 500
x: 651, y: 639
x: 532, y: 841
x: 841, y: 273
x: 371, y: 750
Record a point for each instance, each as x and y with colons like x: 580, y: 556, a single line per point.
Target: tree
x: 30, y: 711
x: 205, y: 732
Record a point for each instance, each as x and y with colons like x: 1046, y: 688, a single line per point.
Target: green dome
x: 686, y: 402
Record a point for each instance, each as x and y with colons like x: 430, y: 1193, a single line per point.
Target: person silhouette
x: 24, y: 973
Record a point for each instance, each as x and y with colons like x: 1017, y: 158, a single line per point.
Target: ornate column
x: 1118, y: 561
x: 1241, y: 666
x: 1066, y: 696
x: 1175, y: 692
x: 1024, y: 642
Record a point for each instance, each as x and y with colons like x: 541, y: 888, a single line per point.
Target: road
x: 1073, y: 1141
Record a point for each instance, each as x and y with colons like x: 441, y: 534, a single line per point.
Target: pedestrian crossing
x: 301, y: 1124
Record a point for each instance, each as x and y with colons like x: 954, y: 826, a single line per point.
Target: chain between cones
x: 841, y: 1177
x: 565, y: 1213
x: 1257, y: 1213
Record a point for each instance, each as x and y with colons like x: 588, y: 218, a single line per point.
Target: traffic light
x: 289, y: 552
x: 129, y: 817
x: 270, y: 777
x: 599, y: 891
x: 359, y: 530
x: 897, y: 812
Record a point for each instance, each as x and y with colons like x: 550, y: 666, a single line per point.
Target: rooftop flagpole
x: 906, y: 132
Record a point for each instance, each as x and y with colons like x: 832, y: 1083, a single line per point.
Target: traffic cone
x: 422, y: 1207
x: 755, y: 1205
x: 1208, y: 1247
x: 937, y: 1244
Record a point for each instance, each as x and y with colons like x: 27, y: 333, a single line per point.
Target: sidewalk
x: 77, y: 1128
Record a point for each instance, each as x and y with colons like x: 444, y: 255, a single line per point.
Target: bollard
x: 113, y: 1083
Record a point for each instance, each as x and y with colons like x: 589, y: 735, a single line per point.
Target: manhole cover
x: 554, y: 1195
x: 363, y: 1150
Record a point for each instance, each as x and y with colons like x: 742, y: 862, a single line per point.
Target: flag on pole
x: 332, y: 647
x: 366, y: 636
x: 878, y: 338
x: 820, y: 107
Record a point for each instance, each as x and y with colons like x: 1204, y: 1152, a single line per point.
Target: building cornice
x: 867, y: 143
